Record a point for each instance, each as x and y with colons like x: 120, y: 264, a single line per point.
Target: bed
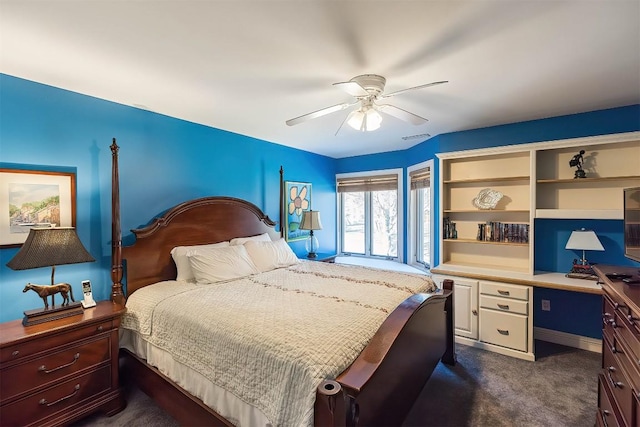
x: 273, y: 340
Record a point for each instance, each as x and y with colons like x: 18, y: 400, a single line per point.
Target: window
x: 420, y: 202
x: 368, y: 213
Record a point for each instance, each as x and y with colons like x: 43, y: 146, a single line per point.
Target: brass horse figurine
x: 44, y: 291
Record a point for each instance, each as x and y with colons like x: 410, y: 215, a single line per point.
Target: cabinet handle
x: 99, y: 328
x: 503, y: 292
x: 44, y: 368
x: 605, y: 413
x: 15, y: 353
x: 75, y: 391
x: 614, y: 383
x: 503, y: 331
x: 503, y: 306
x: 475, y: 312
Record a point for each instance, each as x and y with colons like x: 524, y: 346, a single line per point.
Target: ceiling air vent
x: 420, y: 136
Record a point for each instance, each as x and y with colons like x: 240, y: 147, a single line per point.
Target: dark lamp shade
x: 47, y: 247
x: 310, y: 220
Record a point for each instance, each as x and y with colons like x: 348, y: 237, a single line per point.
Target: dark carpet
x: 483, y: 389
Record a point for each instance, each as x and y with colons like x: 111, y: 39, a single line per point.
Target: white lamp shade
x: 365, y: 120
x: 584, y: 240
x: 310, y: 220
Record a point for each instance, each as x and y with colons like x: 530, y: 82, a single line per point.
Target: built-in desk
x: 494, y: 309
x: 541, y: 279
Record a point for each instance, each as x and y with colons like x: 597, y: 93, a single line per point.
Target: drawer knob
x: 44, y: 369
x: 75, y: 391
x: 503, y: 306
x: 99, y: 328
x: 15, y: 353
x: 503, y: 331
x: 503, y: 292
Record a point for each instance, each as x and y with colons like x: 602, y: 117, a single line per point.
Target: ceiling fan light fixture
x: 365, y: 120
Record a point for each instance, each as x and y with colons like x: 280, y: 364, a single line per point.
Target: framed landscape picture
x: 32, y: 198
x: 297, y: 200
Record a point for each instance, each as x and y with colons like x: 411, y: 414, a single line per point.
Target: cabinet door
x: 466, y: 307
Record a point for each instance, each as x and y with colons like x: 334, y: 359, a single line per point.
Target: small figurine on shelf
x: 577, y: 161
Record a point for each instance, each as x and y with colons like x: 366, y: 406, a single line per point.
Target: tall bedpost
x: 281, y: 202
x: 117, y: 296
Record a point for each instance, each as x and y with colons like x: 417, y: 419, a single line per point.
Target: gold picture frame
x: 34, y: 198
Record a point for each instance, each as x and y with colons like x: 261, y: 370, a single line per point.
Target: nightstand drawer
x: 51, y: 367
x: 504, y: 304
x: 505, y: 329
x: 504, y: 290
x: 43, y: 344
x: 47, y: 402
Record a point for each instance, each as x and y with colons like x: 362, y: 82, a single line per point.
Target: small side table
x: 324, y: 257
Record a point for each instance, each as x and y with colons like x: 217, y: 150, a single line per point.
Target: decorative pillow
x: 179, y: 255
x: 269, y: 255
x: 242, y: 240
x: 211, y: 265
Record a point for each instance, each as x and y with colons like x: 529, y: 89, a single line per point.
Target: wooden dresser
x: 619, y: 380
x: 57, y: 372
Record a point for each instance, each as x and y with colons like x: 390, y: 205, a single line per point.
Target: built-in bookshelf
x: 536, y: 181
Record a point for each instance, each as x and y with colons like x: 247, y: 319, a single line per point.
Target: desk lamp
x: 584, y: 240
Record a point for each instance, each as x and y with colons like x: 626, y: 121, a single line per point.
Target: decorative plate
x: 487, y: 199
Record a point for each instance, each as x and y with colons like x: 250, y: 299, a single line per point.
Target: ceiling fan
x: 367, y: 89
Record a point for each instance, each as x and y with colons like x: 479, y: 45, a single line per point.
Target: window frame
x: 412, y: 216
x: 368, y: 224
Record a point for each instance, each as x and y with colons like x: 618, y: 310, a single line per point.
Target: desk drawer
x: 504, y: 290
x: 43, y: 370
x: 504, y: 304
x: 42, y: 344
x: 55, y: 399
x: 504, y: 329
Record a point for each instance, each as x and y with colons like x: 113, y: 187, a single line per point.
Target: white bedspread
x: 271, y: 338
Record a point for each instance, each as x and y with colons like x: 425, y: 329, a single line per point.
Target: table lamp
x: 311, y: 221
x: 584, y: 240
x: 48, y: 247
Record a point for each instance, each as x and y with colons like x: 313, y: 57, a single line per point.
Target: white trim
x: 399, y: 173
x: 571, y: 142
x: 495, y: 348
x: 410, y: 228
x: 570, y: 340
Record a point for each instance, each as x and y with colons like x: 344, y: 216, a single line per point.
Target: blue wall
x: 163, y: 161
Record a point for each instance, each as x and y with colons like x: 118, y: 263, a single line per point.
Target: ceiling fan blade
x: 401, y: 114
x: 413, y: 88
x: 352, y: 88
x: 319, y: 113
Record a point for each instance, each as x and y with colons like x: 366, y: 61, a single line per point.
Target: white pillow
x: 179, y: 255
x: 269, y: 255
x: 211, y: 265
x: 242, y: 240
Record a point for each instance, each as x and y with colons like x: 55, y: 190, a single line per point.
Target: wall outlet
x: 546, y: 305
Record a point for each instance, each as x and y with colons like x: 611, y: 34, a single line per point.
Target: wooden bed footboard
x: 383, y: 383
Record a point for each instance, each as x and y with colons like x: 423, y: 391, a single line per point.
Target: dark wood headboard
x: 195, y: 222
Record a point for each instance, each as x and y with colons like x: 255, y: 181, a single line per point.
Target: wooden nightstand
x: 59, y: 371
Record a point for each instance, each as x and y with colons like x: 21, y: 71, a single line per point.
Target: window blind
x: 420, y: 178
x: 368, y: 183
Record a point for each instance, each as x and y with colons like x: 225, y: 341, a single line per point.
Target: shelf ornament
x: 487, y: 199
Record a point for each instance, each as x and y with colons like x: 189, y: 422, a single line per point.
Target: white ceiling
x: 248, y: 66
